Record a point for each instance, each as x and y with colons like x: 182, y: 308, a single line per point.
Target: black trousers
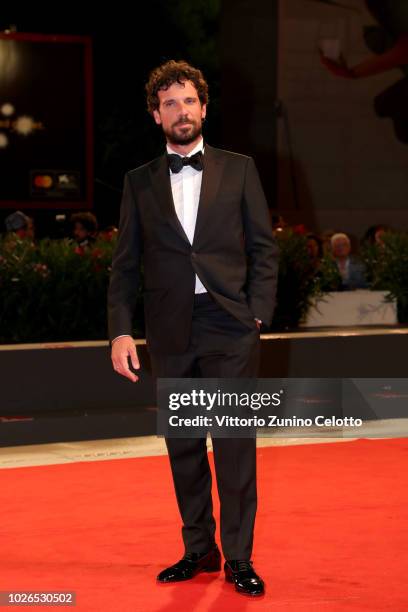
x: 220, y: 347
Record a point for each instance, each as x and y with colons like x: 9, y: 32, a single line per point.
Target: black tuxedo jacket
x: 233, y: 252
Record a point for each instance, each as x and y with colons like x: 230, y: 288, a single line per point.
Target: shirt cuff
x: 121, y: 336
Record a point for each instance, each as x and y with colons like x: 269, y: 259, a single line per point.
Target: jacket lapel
x: 210, y: 183
x: 160, y: 179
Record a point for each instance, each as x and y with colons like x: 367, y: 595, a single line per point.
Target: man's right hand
x: 122, y: 348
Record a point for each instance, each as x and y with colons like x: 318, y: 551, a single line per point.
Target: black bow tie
x: 176, y: 162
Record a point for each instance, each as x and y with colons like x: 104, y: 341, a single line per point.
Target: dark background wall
x: 342, y: 143
x: 235, y: 49
x: 248, y: 60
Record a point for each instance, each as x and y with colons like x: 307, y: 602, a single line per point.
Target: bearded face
x: 180, y: 113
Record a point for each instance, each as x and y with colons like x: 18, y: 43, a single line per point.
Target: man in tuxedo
x: 197, y: 218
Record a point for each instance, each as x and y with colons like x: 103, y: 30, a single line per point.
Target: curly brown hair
x: 171, y: 72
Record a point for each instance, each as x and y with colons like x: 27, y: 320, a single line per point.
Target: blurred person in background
x: 84, y: 228
x: 21, y: 225
x: 278, y: 223
x: 315, y: 249
x: 350, y: 268
x: 375, y: 234
x: 325, y: 238
x: 108, y: 234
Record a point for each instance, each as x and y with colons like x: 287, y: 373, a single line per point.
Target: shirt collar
x: 199, y: 147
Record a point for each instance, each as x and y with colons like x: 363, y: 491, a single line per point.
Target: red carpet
x: 332, y: 532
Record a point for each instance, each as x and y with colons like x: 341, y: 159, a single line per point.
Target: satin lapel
x: 160, y: 179
x: 210, y: 183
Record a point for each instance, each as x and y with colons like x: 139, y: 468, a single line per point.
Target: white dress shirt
x: 186, y: 187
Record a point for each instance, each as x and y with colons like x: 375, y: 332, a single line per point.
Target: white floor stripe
x: 124, y: 448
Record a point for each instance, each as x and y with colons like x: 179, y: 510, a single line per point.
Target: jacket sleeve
x: 261, y: 248
x: 125, y: 274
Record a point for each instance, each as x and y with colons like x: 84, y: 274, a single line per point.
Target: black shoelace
x: 192, y: 556
x: 243, y: 566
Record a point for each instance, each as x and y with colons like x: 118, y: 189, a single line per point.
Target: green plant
x: 387, y: 269
x: 56, y: 291
x: 299, y: 280
x: 53, y: 290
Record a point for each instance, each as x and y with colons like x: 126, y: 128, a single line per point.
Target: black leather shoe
x: 242, y: 574
x: 191, y: 565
